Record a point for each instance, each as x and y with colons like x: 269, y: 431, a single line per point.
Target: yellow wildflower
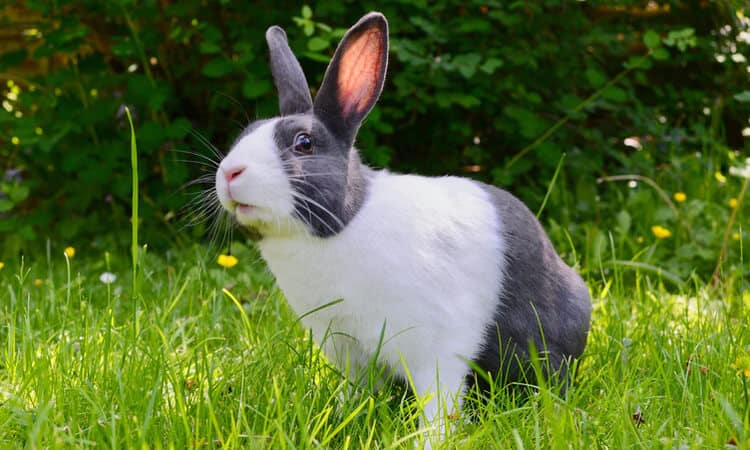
x: 720, y: 177
x: 736, y: 236
x: 94, y: 92
x: 37, y: 282
x: 680, y: 197
x: 227, y: 261
x: 14, y: 140
x: 2, y: 264
x: 733, y: 203
x: 660, y: 232
x: 70, y: 251
x: 742, y: 364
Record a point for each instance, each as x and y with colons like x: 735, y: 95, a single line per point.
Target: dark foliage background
x: 495, y: 90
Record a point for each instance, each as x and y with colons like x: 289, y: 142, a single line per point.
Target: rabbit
x: 433, y: 277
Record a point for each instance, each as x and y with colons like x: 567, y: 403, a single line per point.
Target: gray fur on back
x: 539, y: 291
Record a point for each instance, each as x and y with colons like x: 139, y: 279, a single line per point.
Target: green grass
x: 186, y: 366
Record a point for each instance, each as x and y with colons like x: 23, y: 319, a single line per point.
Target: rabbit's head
x: 299, y: 172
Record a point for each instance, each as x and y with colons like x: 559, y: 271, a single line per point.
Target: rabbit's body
x: 425, y: 276
x: 434, y: 287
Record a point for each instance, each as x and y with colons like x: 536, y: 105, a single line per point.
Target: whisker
x: 307, y: 199
x: 316, y: 174
x: 207, y: 143
x: 236, y: 102
x: 213, y: 161
x: 311, y: 215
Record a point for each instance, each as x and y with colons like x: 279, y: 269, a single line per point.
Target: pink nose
x: 234, y: 172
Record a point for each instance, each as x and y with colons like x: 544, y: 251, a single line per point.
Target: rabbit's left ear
x: 294, y: 94
x: 354, y: 78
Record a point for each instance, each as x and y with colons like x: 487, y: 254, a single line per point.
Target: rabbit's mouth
x: 243, y: 208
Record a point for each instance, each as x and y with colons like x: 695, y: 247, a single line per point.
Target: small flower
x: 736, y: 236
x: 742, y: 364
x: 227, y: 261
x: 107, y: 278
x: 660, y: 232
x: 2, y: 264
x: 639, y: 239
x: 94, y: 92
x: 70, y: 252
x: 680, y: 197
x: 37, y: 282
x: 14, y: 140
x: 720, y: 177
x: 733, y: 203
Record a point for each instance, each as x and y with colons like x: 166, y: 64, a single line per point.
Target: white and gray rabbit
x: 436, y: 275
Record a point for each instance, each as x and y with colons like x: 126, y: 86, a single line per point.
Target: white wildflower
x: 107, y: 278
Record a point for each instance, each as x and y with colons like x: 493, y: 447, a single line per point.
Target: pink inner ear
x: 359, y: 71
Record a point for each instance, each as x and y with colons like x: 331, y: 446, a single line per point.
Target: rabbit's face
x: 286, y: 174
x: 299, y: 172
x: 250, y: 181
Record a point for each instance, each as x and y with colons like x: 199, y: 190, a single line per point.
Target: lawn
x: 205, y: 357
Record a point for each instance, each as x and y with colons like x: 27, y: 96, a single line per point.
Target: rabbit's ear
x: 354, y: 78
x: 294, y: 94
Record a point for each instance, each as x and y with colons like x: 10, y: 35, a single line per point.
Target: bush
x: 494, y: 90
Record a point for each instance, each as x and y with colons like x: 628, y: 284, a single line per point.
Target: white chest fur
x: 422, y: 258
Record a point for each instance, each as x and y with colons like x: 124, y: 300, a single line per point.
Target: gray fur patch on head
x: 330, y: 183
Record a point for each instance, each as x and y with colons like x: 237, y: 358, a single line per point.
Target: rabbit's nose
x: 233, y: 172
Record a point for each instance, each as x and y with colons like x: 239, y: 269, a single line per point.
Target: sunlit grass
x: 213, y: 369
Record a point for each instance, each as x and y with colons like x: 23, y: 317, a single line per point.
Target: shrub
x: 495, y: 90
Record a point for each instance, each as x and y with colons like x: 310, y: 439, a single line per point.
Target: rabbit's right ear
x: 354, y: 78
x: 294, y: 94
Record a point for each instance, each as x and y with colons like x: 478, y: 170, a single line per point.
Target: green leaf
x: 445, y: 100
x: 638, y: 62
x: 306, y: 12
x: 660, y: 54
x: 623, y: 222
x: 651, y: 39
x: 179, y: 128
x: 615, y: 94
x: 530, y: 125
x: 19, y: 193
x: 217, y: 67
x: 150, y: 137
x: 317, y: 44
x: 5, y: 205
x: 491, y: 65
x: 595, y: 77
x: 466, y: 64
x: 743, y: 96
x: 208, y: 48
x: 254, y: 88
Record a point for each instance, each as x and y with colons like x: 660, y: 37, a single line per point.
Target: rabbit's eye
x: 303, y: 143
